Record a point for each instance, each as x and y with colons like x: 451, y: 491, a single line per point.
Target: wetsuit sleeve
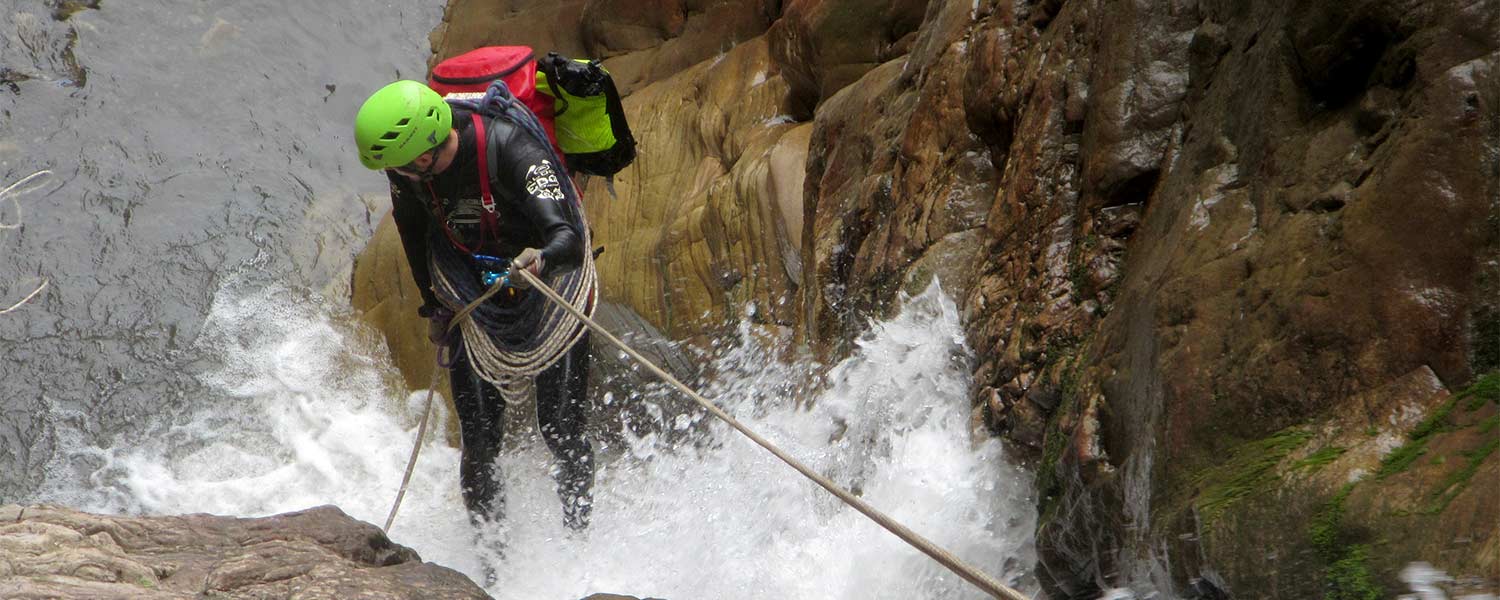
x: 412, y: 221
x: 527, y: 170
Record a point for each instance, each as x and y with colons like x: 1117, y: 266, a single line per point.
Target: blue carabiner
x: 492, y: 269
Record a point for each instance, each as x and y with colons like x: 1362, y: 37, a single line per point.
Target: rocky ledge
x: 49, y: 552
x: 52, y: 552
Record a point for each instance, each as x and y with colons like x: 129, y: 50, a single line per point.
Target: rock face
x: 50, y: 552
x: 1227, y: 268
x: 1217, y: 225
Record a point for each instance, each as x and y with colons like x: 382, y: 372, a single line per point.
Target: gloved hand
x: 438, y: 318
x: 529, y: 259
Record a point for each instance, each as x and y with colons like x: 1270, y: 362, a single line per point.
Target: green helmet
x: 399, y: 122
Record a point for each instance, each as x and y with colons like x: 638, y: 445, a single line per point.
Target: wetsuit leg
x: 562, y: 414
x: 481, y: 419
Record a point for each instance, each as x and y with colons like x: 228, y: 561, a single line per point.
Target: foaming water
x: 309, y: 415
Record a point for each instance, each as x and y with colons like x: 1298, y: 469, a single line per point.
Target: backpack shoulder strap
x: 482, y: 144
x: 489, y: 221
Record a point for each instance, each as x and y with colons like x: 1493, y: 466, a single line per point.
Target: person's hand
x: 530, y: 260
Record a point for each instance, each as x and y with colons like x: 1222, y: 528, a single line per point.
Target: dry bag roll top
x: 591, y: 125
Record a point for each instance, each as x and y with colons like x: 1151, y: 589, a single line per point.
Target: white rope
x: 979, y: 578
x: 41, y: 176
x: 27, y: 298
x: 9, y: 193
x: 416, y: 448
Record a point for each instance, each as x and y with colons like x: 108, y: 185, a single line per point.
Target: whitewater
x: 309, y: 412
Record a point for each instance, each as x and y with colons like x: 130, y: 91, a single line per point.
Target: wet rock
x: 1210, y: 43
x: 469, y: 24
x: 1338, y: 49
x: 703, y: 222
x: 51, y: 552
x: 646, y: 40
x: 821, y: 46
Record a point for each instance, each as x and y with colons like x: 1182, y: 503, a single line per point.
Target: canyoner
x: 478, y: 190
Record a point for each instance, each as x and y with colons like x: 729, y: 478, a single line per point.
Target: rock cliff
x: 1231, y: 271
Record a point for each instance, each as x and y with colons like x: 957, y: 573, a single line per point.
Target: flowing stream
x: 193, y: 349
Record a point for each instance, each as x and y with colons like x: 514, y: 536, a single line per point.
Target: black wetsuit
x: 533, y: 211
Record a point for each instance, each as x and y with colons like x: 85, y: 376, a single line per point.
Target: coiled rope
x: 510, y: 345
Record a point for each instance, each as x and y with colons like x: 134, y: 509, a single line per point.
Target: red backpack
x: 472, y: 72
x: 575, y: 100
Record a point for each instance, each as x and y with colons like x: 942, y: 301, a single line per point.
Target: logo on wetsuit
x: 541, y: 181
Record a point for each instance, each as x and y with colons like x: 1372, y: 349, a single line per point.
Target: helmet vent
x: 377, y: 147
x: 431, y: 111
x: 403, y: 122
x: 390, y: 136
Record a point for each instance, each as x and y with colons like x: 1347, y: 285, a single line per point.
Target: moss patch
x: 1456, y: 482
x: 1348, y: 576
x: 1486, y: 389
x: 1251, y: 468
x: 1401, y: 459
x: 1048, y: 485
x: 1320, y: 458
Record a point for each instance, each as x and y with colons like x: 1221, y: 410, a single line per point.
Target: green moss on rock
x: 1401, y: 459
x: 1486, y: 389
x: 1251, y: 468
x: 1348, y: 576
x: 1456, y: 482
x: 1320, y: 458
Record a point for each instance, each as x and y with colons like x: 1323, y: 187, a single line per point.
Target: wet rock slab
x: 53, y: 552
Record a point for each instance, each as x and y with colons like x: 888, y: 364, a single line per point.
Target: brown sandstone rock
x: 50, y: 552
x: 545, y: 25
x: 891, y: 173
x: 823, y: 45
x: 696, y: 231
x: 648, y: 40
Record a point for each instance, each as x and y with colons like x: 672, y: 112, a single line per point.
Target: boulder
x: 52, y: 552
